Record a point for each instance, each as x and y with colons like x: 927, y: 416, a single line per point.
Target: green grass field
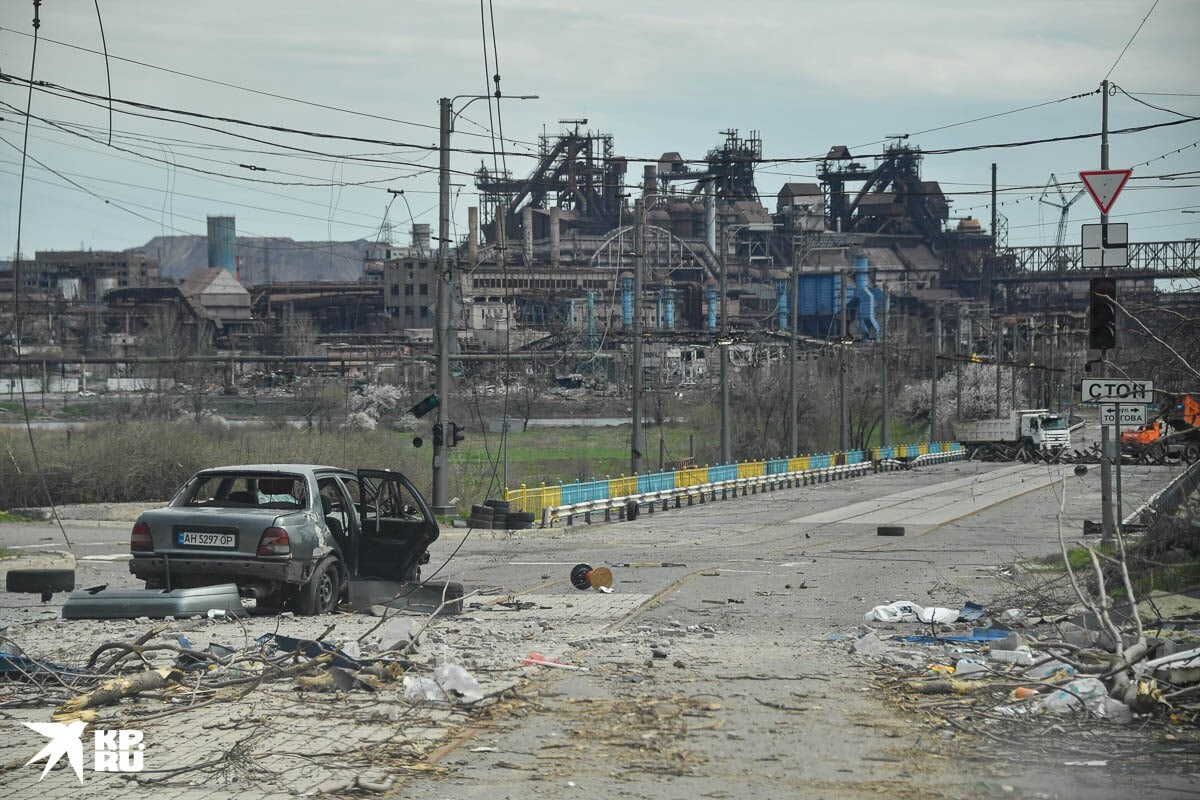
x: 551, y: 455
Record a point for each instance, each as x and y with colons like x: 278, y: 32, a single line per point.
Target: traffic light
x: 456, y: 433
x: 1102, y: 314
x: 438, y: 439
x: 424, y: 407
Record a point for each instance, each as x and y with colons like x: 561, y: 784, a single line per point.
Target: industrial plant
x: 566, y: 258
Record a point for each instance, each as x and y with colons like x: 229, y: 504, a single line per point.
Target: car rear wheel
x: 320, y: 594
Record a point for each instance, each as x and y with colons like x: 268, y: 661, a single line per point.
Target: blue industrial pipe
x: 782, y: 289
x: 867, y: 326
x: 627, y: 300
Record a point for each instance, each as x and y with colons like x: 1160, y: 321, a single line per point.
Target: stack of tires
x: 500, y: 510
x: 498, y: 515
x: 481, y: 517
x: 520, y: 520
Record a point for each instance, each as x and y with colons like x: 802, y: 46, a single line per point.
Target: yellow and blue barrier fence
x: 537, y: 499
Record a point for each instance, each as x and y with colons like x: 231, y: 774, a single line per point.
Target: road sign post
x: 1121, y: 394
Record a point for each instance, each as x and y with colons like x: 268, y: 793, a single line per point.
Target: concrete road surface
x: 719, y: 667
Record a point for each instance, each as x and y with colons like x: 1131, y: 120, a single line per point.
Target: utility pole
x: 843, y: 415
x: 958, y: 356
x: 995, y: 219
x: 441, y: 473
x: 937, y: 345
x: 1107, y: 444
x: 793, y: 429
x: 999, y: 358
x: 635, y: 442
x: 884, y: 433
x: 444, y: 308
x: 723, y: 344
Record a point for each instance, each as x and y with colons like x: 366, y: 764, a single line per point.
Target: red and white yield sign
x: 1104, y: 185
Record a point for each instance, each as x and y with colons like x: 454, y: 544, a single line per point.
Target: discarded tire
x: 631, y: 510
x: 40, y: 581
x: 498, y: 505
x: 483, y: 523
x: 500, y: 520
x: 520, y: 520
x: 481, y: 511
x: 890, y: 530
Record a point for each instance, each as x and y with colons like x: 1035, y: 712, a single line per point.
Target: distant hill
x: 267, y: 260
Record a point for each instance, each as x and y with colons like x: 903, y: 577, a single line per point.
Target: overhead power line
x: 985, y: 118
x: 240, y: 88
x: 1131, y: 38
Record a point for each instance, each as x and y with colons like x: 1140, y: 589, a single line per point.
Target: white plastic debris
x: 1021, y: 656
x: 417, y: 689
x: 969, y: 666
x: 454, y: 679
x: 1090, y: 690
x: 399, y: 633
x: 908, y: 611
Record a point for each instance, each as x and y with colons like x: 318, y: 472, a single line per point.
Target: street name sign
x: 1131, y: 415
x: 1117, y: 390
x: 1105, y: 245
x: 1104, y: 185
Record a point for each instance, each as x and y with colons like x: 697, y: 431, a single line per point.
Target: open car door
x: 396, y: 527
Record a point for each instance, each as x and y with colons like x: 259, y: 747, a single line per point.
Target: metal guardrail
x: 1170, y: 497
x: 623, y: 497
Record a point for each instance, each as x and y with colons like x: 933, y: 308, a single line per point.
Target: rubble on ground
x: 1019, y: 665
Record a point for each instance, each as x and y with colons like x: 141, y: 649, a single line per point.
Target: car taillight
x: 274, y: 542
x: 139, y: 537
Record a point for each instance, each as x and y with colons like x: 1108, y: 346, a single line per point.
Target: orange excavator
x: 1175, y: 434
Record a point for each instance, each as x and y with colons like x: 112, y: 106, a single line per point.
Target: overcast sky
x: 658, y: 75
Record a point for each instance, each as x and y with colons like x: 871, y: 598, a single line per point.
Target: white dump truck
x: 1023, y: 435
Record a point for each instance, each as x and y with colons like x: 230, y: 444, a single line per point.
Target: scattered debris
x: 537, y: 659
x: 907, y: 611
x: 1056, y: 665
x: 584, y: 577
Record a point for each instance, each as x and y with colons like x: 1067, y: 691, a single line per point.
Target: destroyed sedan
x: 288, y: 535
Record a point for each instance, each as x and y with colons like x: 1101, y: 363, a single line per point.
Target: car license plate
x: 197, y: 539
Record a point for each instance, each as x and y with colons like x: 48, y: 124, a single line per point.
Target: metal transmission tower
x: 1063, y: 205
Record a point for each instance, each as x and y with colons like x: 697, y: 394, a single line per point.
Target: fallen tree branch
x: 112, y: 691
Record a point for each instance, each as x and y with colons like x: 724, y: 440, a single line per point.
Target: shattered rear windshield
x: 246, y: 490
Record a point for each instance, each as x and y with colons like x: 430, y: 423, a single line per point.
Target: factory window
x: 395, y: 289
x: 408, y: 290
x: 424, y: 288
x: 424, y: 312
x: 408, y: 265
x: 408, y: 311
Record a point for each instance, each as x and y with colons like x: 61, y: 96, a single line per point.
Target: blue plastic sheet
x: 17, y: 665
x: 977, y: 636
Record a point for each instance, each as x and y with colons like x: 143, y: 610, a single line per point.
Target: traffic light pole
x: 441, y: 473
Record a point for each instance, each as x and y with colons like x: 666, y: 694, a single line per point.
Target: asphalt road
x: 757, y: 694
